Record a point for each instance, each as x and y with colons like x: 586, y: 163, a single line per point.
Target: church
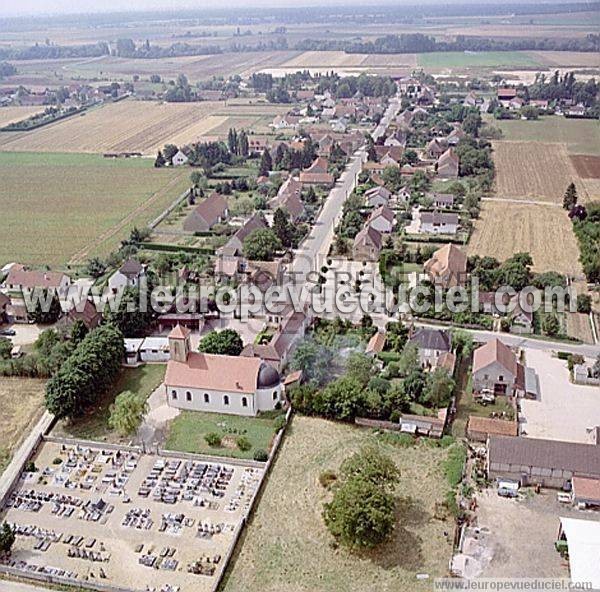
x: 221, y: 384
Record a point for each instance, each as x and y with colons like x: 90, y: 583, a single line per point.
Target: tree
x: 261, y: 245
x: 96, y: 267
x: 243, y: 146
x: 127, y: 412
x: 551, y: 325
x: 584, y: 303
x: 131, y: 317
x: 409, y: 359
x: 78, y: 332
x: 5, y: 348
x: 87, y: 373
x: 169, y: 151
x: 596, y: 368
x: 159, y: 160
x: 360, y: 367
x: 371, y: 465
x: 438, y: 388
x: 282, y: 227
x: 313, y: 359
x: 266, y: 163
x: 570, y: 197
x: 342, y: 399
x: 47, y: 307
x: 362, y: 512
x: 227, y: 343
x: 7, y: 538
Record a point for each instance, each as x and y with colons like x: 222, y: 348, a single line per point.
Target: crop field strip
x: 77, y: 203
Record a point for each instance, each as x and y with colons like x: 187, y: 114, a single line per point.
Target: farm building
x: 496, y: 369
x: 586, y: 491
x: 225, y: 384
x: 481, y: 428
x: 550, y: 463
x: 376, y: 344
x: 583, y: 539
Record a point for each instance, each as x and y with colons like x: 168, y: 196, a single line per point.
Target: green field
x: 484, y: 59
x: 582, y: 136
x: 56, y: 206
x: 287, y: 547
x: 188, y: 429
x: 94, y: 424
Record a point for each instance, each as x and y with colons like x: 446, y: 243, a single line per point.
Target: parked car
x: 8, y: 332
x: 508, y: 488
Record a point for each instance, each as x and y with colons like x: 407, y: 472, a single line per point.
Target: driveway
x: 26, y: 334
x: 564, y: 411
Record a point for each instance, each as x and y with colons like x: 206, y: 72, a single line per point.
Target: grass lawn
x: 94, y: 425
x: 187, y: 431
x: 582, y: 136
x: 21, y: 405
x: 57, y: 207
x: 287, y: 547
x: 483, y: 59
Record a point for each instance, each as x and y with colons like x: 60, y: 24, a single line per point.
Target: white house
x: 22, y: 279
x: 377, y: 196
x: 221, y: 384
x: 179, y: 159
x: 438, y: 223
x: 128, y: 275
x: 432, y: 344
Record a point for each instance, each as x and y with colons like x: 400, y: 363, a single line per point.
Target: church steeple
x: 179, y: 343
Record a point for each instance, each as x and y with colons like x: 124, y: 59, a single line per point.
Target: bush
x: 279, y: 423
x: 57, y: 461
x: 327, y: 478
x: 30, y: 467
x: 243, y: 443
x: 261, y: 455
x: 213, y: 439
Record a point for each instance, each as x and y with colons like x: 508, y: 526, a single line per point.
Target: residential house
x: 389, y: 155
x: 24, y: 280
x: 287, y: 121
x: 471, y: 100
x: 317, y: 173
x: 438, y: 223
x: 455, y: 136
x: 506, y: 94
x: 521, y: 318
x: 516, y: 103
x: 576, y: 110
x: 84, y: 311
x: 238, y: 385
x: 447, y: 266
x: 403, y: 195
x: 436, y: 148
x: 277, y: 352
x: 447, y: 165
x: 179, y: 158
x: 377, y: 196
x: 235, y: 245
x: 129, y: 275
x: 376, y: 344
x: 382, y: 219
x: 289, y: 198
x: 533, y: 461
x: 441, y: 200
x: 432, y: 344
x: 405, y: 118
x: 497, y: 370
x: 209, y: 212
x: 367, y: 244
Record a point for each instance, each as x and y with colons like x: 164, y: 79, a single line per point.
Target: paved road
x: 311, y: 255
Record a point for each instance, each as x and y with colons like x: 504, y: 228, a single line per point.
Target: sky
x: 51, y: 7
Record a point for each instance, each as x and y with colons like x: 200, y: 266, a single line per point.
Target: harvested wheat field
x: 587, y: 165
x: 533, y: 171
x: 579, y: 326
x: 567, y: 58
x: 126, y: 126
x: 287, y: 547
x: 21, y: 401
x: 14, y: 114
x: 504, y: 229
x: 325, y: 59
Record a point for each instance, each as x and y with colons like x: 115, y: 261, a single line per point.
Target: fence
x: 240, y: 527
x: 61, y: 581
